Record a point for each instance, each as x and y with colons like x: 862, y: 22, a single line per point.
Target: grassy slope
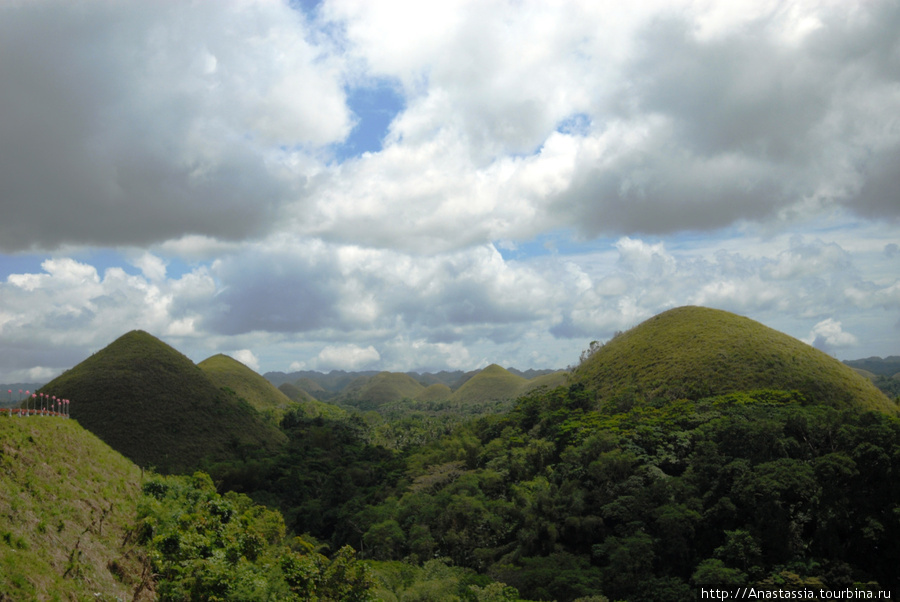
x: 225, y: 371
x: 693, y: 352
x: 494, y: 383
x: 156, y: 407
x: 66, y: 502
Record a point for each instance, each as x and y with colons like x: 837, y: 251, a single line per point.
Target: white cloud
x: 828, y: 335
x: 248, y: 358
x: 152, y: 267
x: 739, y: 155
x: 346, y: 357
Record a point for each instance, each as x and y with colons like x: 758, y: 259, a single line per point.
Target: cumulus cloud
x: 248, y: 358
x: 687, y: 118
x: 57, y: 317
x: 346, y: 357
x: 828, y: 335
x: 133, y: 123
x: 738, y: 155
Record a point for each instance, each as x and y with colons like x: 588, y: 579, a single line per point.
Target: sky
x: 424, y: 186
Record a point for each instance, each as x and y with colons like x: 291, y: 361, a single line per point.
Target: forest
x: 557, y: 501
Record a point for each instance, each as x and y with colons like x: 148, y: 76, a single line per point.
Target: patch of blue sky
x: 100, y: 259
x: 375, y: 105
x: 578, y: 124
x: 309, y: 7
x: 20, y: 264
x: 563, y: 241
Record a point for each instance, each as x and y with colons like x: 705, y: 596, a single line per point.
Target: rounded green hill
x: 696, y: 352
x: 225, y: 371
x: 156, y: 407
x: 494, y: 383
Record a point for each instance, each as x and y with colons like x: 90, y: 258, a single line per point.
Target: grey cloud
x: 743, y: 93
x: 654, y: 192
x: 116, y: 128
x: 313, y: 288
x: 744, y: 125
x: 879, y: 195
x: 274, y: 292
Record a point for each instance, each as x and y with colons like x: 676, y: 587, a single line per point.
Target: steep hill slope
x: 227, y: 372
x: 66, y: 503
x: 494, y: 383
x: 156, y: 407
x: 694, y: 352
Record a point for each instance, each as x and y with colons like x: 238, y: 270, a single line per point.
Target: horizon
x: 381, y: 186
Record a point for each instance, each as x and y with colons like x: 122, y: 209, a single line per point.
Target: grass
x: 67, y: 504
x: 695, y: 352
x: 158, y: 408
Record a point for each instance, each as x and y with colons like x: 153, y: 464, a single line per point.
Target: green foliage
x: 562, y: 503
x: 205, y: 546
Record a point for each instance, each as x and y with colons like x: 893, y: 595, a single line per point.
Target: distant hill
x: 226, y: 372
x: 10, y: 396
x: 309, y: 386
x: 549, y: 380
x: 295, y: 393
x: 156, y: 407
x: 368, y: 393
x: 67, y: 503
x: 888, y: 366
x: 325, y: 386
x: 695, y: 352
x: 494, y: 383
x: 311, y: 406
x: 435, y: 392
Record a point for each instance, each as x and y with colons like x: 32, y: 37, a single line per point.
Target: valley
x: 698, y: 448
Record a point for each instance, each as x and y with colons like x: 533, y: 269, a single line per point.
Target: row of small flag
x: 44, y: 405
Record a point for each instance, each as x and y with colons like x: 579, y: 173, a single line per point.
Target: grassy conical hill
x: 494, y: 383
x: 67, y: 501
x: 156, y: 407
x: 227, y: 372
x: 435, y: 392
x: 384, y: 387
x: 694, y: 352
